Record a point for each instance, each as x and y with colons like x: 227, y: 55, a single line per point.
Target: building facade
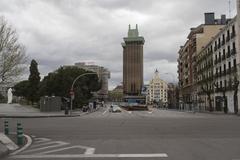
x: 218, y: 68
x: 103, y: 75
x: 197, y: 39
x: 173, y: 96
x: 157, y: 90
x: 133, y: 63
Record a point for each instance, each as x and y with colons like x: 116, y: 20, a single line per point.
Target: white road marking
x: 40, y: 140
x: 104, y: 112
x: 130, y: 112
x: 29, y: 142
x: 158, y: 155
x: 8, y: 142
x: 44, y: 143
x: 89, y: 150
x: 58, y: 144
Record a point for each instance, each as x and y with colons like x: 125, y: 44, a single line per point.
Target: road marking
x: 158, y: 155
x: 40, y: 140
x: 58, y: 144
x: 89, y: 150
x: 43, y: 144
x: 8, y: 142
x: 104, y: 112
x: 29, y: 142
x: 130, y: 112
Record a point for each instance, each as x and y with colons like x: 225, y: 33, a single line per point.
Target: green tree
x: 34, y: 80
x: 58, y: 83
x: 21, y: 89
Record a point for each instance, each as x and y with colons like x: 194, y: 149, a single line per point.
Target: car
x: 85, y: 108
x: 115, y: 109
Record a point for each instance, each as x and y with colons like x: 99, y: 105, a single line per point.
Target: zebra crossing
x: 45, y: 148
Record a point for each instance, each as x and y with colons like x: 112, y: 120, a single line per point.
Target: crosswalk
x: 46, y: 148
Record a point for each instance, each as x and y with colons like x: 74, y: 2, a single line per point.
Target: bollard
x: 19, y: 134
x: 6, y: 127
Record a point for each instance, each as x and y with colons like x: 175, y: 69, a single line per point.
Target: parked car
x: 115, y: 108
x: 85, y: 108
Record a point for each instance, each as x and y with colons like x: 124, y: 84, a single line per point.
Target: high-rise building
x: 133, y: 63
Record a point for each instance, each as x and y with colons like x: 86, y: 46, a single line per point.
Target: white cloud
x: 59, y: 32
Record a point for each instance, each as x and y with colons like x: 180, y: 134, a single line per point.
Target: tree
x: 236, y: 84
x: 12, y: 53
x: 34, y: 80
x: 208, y: 92
x: 58, y: 83
x: 21, y: 89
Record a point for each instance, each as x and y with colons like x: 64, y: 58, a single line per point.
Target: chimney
x: 209, y: 18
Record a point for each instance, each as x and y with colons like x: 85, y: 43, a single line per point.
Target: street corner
x: 7, y: 145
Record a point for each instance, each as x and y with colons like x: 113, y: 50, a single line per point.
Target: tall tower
x: 133, y: 63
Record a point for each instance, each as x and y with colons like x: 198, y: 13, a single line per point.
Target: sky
x: 63, y: 32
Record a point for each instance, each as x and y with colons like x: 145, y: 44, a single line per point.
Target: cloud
x: 62, y: 32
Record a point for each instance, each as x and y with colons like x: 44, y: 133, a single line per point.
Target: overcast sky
x: 62, y: 32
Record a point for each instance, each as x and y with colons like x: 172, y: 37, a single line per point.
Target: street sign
x: 72, y: 94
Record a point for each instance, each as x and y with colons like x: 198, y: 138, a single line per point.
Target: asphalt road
x: 150, y: 135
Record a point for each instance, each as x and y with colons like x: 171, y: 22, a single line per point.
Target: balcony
x: 233, y: 34
x: 223, y: 42
x: 215, y: 48
x: 233, y: 51
x: 224, y: 72
x: 228, y: 54
x: 229, y: 71
x: 228, y: 38
x: 224, y: 57
x: 234, y: 69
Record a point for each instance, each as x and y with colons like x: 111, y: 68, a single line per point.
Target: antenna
x: 230, y: 10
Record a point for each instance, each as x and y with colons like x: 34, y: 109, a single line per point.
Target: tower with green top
x: 133, y: 63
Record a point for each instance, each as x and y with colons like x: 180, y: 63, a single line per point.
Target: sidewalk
x: 6, y: 145
x: 20, y: 111
x: 204, y: 112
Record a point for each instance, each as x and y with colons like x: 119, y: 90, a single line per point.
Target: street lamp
x: 71, y: 90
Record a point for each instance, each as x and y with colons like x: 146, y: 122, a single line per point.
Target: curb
x: 48, y: 116
x: 29, y: 142
x: 204, y: 112
x: 4, y: 152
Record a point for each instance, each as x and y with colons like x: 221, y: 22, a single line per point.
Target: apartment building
x: 197, y: 39
x: 218, y: 71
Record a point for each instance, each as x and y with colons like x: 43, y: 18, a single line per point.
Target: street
x: 150, y: 135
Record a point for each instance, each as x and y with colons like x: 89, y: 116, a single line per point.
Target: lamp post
x: 71, y: 90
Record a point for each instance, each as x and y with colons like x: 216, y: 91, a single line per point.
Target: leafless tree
x: 12, y: 53
x: 208, y: 92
